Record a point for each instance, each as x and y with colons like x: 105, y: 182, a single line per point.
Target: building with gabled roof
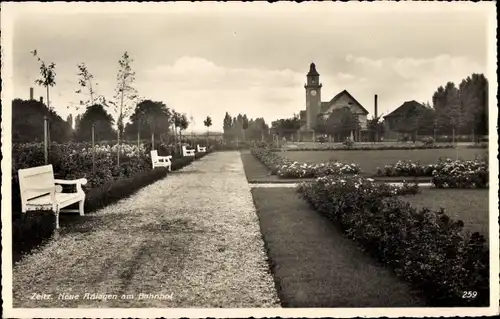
x: 315, y: 108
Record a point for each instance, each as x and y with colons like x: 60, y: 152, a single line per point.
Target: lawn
x: 468, y: 205
x: 369, y: 160
x: 315, y: 265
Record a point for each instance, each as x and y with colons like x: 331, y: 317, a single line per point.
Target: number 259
x: 469, y: 294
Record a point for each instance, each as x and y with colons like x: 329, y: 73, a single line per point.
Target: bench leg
x: 80, y: 207
x: 57, y: 218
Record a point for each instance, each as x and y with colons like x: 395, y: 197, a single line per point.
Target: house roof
x: 405, y: 108
x: 336, y: 97
x: 324, y: 107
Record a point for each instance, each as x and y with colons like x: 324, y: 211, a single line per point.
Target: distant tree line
x: 240, y: 128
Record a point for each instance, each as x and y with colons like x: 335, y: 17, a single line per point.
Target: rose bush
x: 446, y: 173
x: 424, y: 247
x: 406, y: 168
x: 304, y: 170
x: 286, y: 168
x: 461, y: 174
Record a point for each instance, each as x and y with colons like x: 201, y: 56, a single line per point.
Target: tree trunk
x: 46, y: 140
x: 138, y: 139
x: 180, y: 140
x: 93, y: 149
x: 453, y: 134
x: 175, y: 137
x: 152, y: 141
x: 206, y: 144
x: 120, y: 122
x: 118, y: 148
x: 48, y: 100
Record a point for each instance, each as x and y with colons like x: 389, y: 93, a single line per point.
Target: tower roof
x: 312, y: 70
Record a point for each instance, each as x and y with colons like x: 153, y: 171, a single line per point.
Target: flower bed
x: 446, y: 173
x: 74, y: 160
x: 298, y: 170
x: 424, y: 247
x: 286, y: 168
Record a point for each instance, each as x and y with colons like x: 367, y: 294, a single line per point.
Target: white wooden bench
x: 41, y: 191
x: 186, y: 151
x: 201, y: 149
x: 161, y: 161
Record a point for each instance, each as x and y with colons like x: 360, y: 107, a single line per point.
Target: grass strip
x: 314, y: 265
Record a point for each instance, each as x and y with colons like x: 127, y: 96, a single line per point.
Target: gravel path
x: 189, y: 240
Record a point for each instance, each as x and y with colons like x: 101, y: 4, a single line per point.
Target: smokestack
x: 41, y: 99
x: 31, y: 93
x: 376, y: 106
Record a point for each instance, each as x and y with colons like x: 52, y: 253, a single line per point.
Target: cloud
x: 200, y: 73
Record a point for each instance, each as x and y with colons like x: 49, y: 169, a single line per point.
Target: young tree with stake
x: 125, y: 96
x: 48, y: 75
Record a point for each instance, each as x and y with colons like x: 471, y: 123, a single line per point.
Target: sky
x: 208, y: 59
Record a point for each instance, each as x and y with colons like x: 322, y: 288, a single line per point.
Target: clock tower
x: 313, y: 97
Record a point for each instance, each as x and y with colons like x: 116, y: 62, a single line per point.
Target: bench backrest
x: 39, y: 177
x: 154, y: 155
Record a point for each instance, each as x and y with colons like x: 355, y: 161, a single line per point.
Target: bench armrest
x: 40, y: 189
x: 81, y: 181
x: 78, y: 182
x: 164, y: 157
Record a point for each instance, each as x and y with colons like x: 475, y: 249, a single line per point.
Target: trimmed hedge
x: 424, y: 247
x: 479, y: 145
x: 286, y: 168
x: 33, y: 228
x: 372, y: 147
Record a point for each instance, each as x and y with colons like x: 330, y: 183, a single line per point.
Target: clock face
x: 313, y: 92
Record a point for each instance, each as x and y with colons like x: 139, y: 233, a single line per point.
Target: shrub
x: 424, y: 247
x: 261, y: 144
x: 322, y: 139
x: 428, y: 141
x: 348, y: 142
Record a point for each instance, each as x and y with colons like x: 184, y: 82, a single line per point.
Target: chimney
x: 376, y: 106
x: 31, y: 93
x: 41, y: 99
